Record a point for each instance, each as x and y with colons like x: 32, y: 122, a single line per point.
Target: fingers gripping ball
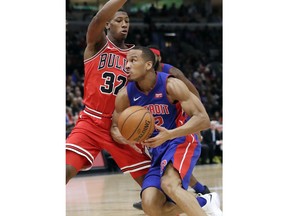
x: 136, y: 123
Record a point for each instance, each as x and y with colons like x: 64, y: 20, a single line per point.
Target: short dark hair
x: 147, y: 54
x: 122, y: 10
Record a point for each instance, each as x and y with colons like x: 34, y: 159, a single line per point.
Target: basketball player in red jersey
x: 105, y: 75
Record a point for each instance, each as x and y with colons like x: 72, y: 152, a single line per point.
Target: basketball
x: 136, y: 123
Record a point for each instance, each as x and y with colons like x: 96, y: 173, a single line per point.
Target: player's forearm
x: 195, y: 124
x: 115, y: 133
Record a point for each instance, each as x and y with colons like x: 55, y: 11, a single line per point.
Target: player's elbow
x: 205, y: 121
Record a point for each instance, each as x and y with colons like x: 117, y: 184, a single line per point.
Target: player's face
x: 136, y: 66
x: 119, y: 25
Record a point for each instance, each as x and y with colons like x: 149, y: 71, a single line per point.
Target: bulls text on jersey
x: 111, y: 60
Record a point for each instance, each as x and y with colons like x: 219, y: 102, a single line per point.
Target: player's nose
x: 124, y: 24
x: 127, y: 67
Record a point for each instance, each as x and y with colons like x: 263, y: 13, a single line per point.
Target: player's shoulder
x: 173, y: 81
x: 174, y: 88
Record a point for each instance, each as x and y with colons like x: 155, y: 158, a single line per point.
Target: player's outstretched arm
x: 95, y: 36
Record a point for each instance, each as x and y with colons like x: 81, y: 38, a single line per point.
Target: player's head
x: 140, y: 61
x: 155, y: 49
x: 118, y: 26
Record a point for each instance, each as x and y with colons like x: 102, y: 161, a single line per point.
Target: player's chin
x: 129, y: 78
x: 123, y: 35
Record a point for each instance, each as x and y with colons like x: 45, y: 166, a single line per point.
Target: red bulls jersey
x: 105, y: 75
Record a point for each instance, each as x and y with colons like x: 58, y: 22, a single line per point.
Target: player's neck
x: 120, y: 44
x: 147, y: 84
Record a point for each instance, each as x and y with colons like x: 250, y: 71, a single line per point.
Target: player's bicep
x: 178, y: 91
x: 192, y: 106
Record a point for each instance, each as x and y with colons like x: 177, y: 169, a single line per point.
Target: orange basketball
x: 136, y: 123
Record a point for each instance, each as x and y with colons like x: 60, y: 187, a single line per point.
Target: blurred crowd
x: 195, y: 11
x: 196, y: 51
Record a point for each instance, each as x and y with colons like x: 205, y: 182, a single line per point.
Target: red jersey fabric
x: 104, y: 76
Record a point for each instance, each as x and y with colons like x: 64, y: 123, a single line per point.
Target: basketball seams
x: 151, y: 125
x: 141, y: 108
x: 140, y: 122
x: 135, y: 125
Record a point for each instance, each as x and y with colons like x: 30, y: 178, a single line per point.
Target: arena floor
x: 114, y: 194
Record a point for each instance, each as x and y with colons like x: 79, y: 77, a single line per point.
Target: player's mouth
x: 129, y: 74
x: 124, y: 32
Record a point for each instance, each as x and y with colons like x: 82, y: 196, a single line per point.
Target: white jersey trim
x: 94, y: 110
x: 92, y: 115
x: 119, y: 49
x: 78, y: 147
x: 186, y: 150
x: 137, y: 164
x: 80, y: 153
x: 135, y: 170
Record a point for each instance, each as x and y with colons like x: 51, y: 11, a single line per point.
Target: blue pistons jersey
x: 165, y: 114
x: 183, y: 152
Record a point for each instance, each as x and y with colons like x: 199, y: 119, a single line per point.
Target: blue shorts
x: 182, y: 152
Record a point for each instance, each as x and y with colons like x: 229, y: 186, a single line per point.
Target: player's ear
x: 149, y: 65
x: 107, y: 26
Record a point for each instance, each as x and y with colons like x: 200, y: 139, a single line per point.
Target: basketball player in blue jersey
x: 174, y: 145
x: 170, y: 69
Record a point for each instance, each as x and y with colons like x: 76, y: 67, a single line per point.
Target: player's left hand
x: 161, y: 137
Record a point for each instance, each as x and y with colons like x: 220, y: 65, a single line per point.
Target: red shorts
x: 90, y: 135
